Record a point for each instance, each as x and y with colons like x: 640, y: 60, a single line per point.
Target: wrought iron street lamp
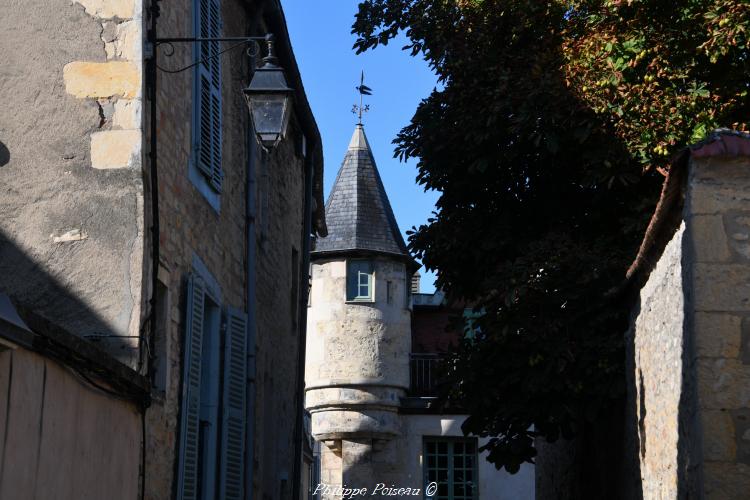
x: 268, y: 96
x: 269, y: 100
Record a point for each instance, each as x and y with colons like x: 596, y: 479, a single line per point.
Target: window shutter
x: 208, y: 85
x: 191, y: 386
x: 351, y: 280
x: 231, y: 471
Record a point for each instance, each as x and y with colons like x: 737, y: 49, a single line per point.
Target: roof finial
x: 363, y: 91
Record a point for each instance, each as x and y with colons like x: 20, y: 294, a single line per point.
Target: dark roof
x: 358, y: 214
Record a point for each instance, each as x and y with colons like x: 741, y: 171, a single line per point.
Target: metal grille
x: 423, y: 369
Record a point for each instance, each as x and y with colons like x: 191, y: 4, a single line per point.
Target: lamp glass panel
x: 268, y: 113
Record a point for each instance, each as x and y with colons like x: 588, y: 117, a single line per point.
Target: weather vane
x: 363, y: 91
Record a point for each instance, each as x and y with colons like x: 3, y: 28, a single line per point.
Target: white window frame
x: 363, y: 280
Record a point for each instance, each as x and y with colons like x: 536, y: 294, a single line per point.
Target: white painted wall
x: 493, y: 484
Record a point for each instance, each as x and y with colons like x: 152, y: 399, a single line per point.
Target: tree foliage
x: 545, y: 139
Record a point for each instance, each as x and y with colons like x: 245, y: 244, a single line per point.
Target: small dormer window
x: 359, y: 281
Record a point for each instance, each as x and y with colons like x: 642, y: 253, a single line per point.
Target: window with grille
x: 451, y: 463
x: 359, y: 281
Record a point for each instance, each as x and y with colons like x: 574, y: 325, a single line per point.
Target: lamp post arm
x: 239, y: 41
x: 247, y: 39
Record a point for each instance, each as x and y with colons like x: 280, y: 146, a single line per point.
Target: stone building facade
x: 205, y: 334
x: 686, y: 432
x: 373, y: 427
x: 690, y: 379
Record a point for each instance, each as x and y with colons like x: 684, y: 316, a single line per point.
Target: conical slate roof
x: 358, y: 214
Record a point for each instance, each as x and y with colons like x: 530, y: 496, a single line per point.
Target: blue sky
x: 322, y: 42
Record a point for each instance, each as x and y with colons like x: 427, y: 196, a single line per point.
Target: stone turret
x: 359, y: 321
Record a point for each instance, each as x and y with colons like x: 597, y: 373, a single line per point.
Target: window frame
x: 354, y: 283
x: 451, y: 456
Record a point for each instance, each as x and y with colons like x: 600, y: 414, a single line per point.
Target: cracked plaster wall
x: 71, y: 193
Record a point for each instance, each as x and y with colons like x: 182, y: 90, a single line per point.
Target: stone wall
x: 71, y: 235
x: 690, y: 379
x: 190, y: 227
x: 279, y: 231
x: 352, y: 341
x: 718, y: 217
x: 357, y: 369
x: 357, y: 357
x: 659, y: 349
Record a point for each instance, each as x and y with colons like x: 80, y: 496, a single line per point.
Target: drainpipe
x: 155, y: 233
x: 302, y: 325
x: 250, y: 214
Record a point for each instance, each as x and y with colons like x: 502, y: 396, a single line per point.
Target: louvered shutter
x: 208, y: 84
x: 187, y: 486
x: 231, y: 470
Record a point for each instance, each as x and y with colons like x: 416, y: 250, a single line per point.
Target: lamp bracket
x: 237, y: 41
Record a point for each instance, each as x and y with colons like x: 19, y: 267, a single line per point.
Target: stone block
x: 108, y: 9
x: 709, y: 238
x: 115, y: 149
x: 723, y: 383
x: 726, y: 481
x: 721, y: 287
x: 717, y: 335
x: 738, y: 230
x: 127, y: 42
x: 108, y: 79
x: 741, y: 421
x: 719, y: 197
x: 717, y: 169
x: 127, y: 114
x: 718, y: 436
x: 745, y: 341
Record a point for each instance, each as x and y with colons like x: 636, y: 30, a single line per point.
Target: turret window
x: 359, y: 282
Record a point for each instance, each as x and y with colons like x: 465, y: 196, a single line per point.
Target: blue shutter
x: 231, y: 472
x: 208, y: 94
x: 187, y: 485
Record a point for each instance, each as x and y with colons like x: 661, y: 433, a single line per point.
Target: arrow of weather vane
x: 363, y: 91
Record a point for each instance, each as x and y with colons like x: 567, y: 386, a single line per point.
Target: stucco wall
x: 399, y: 462
x: 61, y: 438
x: 493, y: 484
x: 71, y: 234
